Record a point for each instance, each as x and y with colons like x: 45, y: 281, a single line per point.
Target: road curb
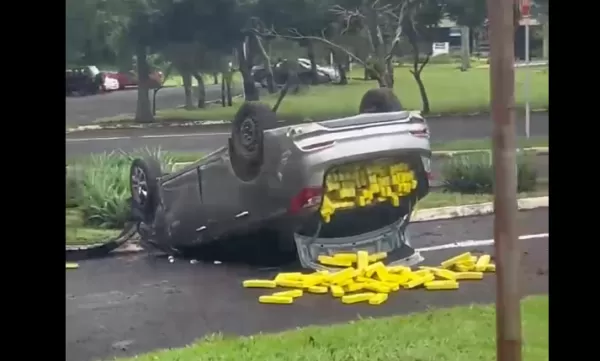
x: 213, y: 123
x: 422, y: 215
x: 472, y: 210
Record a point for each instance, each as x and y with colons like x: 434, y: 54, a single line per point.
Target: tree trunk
x: 228, y: 91
x: 201, y: 91
x: 337, y: 59
x: 223, y: 90
x: 186, y: 77
x: 464, y: 47
x: 250, y: 91
x: 215, y: 78
x: 267, y: 64
x: 422, y: 91
x: 390, y: 72
x: 310, y: 49
x: 143, y: 111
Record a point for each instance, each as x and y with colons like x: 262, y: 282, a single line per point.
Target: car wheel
x: 246, y: 142
x: 144, y: 174
x: 380, y: 100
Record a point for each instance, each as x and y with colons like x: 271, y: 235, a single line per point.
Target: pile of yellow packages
x: 360, y: 185
x: 367, y: 279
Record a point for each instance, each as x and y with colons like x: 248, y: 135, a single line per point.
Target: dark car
x: 83, y: 80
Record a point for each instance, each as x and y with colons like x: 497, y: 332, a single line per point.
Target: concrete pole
x: 527, y: 81
x: 507, y: 252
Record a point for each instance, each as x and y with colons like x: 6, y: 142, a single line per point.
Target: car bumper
x: 392, y: 239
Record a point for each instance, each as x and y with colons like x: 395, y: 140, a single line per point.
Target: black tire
x: 246, y: 143
x: 144, y: 174
x: 380, y: 100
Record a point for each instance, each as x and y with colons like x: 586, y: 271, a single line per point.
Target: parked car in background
x: 84, y: 80
x: 110, y: 84
x: 330, y: 71
x: 130, y: 78
x: 325, y: 74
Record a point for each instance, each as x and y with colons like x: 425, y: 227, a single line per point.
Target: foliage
x: 474, y: 174
x: 101, y: 189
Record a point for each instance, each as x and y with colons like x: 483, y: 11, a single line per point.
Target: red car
x: 130, y: 78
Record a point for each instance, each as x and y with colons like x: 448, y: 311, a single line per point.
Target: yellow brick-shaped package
x: 259, y: 284
x: 276, y: 300
x: 358, y: 297
x: 290, y: 293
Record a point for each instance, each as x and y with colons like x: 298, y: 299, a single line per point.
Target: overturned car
x: 327, y: 187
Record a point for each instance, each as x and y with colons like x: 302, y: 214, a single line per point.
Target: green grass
x: 450, y: 92
x: 78, y: 234
x: 455, y: 334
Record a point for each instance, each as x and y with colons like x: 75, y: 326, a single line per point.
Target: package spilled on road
x: 367, y: 279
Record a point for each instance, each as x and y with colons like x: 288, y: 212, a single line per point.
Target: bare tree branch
x: 296, y: 35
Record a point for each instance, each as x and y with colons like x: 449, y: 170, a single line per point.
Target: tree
x: 418, y: 28
x: 134, y: 24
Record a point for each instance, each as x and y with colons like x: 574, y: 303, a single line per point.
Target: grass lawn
x: 450, y: 92
x: 455, y: 334
x: 77, y: 234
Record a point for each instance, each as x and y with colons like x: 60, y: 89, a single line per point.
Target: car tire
x: 380, y: 100
x: 144, y: 174
x: 246, y: 142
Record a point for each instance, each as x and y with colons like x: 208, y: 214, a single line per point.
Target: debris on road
x: 72, y: 265
x: 372, y: 277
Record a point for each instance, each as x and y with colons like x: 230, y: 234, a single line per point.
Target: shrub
x: 474, y: 174
x: 102, y: 185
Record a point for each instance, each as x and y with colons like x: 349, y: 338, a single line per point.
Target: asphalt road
x: 127, y: 305
x: 84, y: 110
x: 197, y: 139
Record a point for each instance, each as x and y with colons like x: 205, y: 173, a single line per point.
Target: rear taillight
x: 307, y: 198
x: 421, y: 133
x: 427, y: 166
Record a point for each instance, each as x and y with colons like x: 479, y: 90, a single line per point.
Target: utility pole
x: 502, y: 95
x: 525, y: 16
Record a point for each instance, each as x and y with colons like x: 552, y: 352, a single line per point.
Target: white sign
x: 440, y: 48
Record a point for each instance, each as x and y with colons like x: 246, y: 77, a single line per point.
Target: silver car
x: 339, y: 185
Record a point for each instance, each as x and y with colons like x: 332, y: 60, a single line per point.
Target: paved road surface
x: 147, y: 303
x: 84, y: 110
x: 195, y: 139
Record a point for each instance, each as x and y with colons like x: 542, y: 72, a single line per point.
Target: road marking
x: 181, y: 135
x: 480, y: 243
x: 69, y: 140
x: 90, y: 139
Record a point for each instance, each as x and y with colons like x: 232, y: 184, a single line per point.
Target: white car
x: 110, y: 84
x: 330, y: 71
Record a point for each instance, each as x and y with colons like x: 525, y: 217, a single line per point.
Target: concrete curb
x: 208, y: 123
x: 471, y: 210
x: 422, y: 215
